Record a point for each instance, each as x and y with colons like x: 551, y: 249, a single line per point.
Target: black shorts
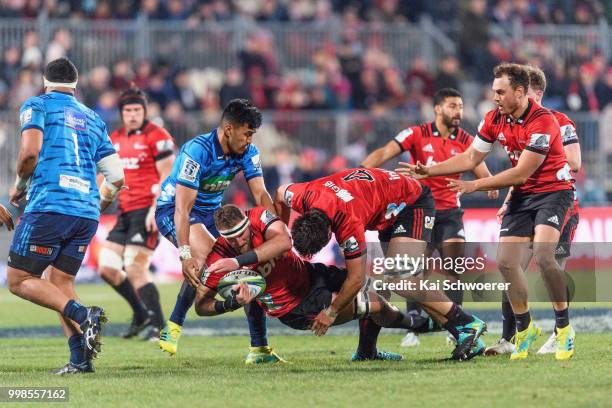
x: 130, y: 229
x: 525, y: 211
x: 448, y: 224
x: 324, y: 280
x: 415, y: 221
x: 567, y: 235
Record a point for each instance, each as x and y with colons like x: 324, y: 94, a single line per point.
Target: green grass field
x: 209, y: 371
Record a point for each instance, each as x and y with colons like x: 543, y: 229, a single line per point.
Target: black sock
x: 150, y: 297
x: 75, y: 311
x: 368, y: 335
x: 77, y: 349
x: 413, y: 307
x: 126, y: 290
x: 561, y: 318
x: 404, y: 321
x: 455, y: 295
x: 522, y: 321
x: 457, y: 317
x: 508, y: 321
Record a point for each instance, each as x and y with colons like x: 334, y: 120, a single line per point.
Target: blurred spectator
x: 98, y: 83
x: 59, y: 46
x: 448, y: 76
x: 26, y: 87
x: 10, y: 65
x: 233, y: 87
x: 32, y: 55
x: 474, y: 36
x: 183, y: 91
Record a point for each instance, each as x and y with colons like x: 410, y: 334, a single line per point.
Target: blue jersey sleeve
x: 251, y: 163
x: 192, y: 160
x: 32, y: 114
x: 105, y: 148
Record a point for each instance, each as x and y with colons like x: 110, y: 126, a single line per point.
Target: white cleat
x: 501, y: 346
x: 451, y: 341
x: 410, y: 340
x: 550, y: 346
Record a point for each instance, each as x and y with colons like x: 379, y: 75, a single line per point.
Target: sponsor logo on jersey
x: 399, y: 229
x: 26, y: 116
x: 428, y: 148
x: 139, y: 146
x: 429, y: 222
x: 41, y: 250
x: 130, y: 163
x: 568, y: 133
x: 74, y: 183
x: 554, y: 219
x: 267, y: 217
x: 360, y: 174
x: 342, y: 194
x: 256, y: 160
x: 216, y: 184
x: 501, y: 137
x: 288, y: 196
x: 393, y: 210
x: 74, y: 119
x: 539, y: 141
x: 350, y: 245
x: 164, y: 145
x: 403, y: 135
x: 189, y: 170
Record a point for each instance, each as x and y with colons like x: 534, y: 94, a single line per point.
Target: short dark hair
x: 241, y: 111
x: 444, y: 93
x: 61, y: 70
x: 517, y: 74
x: 310, y: 232
x: 537, y: 78
x: 228, y: 216
x: 132, y: 95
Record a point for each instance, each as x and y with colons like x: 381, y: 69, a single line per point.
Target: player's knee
x: 109, y: 260
x: 547, y: 262
x: 14, y: 279
x: 137, y: 260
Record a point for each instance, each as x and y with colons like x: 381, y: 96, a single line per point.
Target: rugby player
x: 62, y: 144
x: 296, y: 291
x: 147, y: 153
x: 402, y: 210
x: 431, y: 143
x: 571, y: 146
x: 204, y: 168
x: 540, y: 204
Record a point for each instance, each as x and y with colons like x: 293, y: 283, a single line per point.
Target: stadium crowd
x: 351, y: 73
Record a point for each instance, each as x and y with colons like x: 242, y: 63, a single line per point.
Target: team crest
x: 350, y: 245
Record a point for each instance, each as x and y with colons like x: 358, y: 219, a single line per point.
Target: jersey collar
x: 436, y: 133
x: 62, y: 93
x: 218, y: 149
x: 521, y: 120
x: 139, y: 130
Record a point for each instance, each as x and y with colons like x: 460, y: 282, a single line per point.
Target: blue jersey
x: 74, y: 140
x: 201, y: 165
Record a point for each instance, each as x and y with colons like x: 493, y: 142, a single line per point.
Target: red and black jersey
x: 355, y: 200
x: 569, y: 135
x: 287, y: 277
x: 139, y: 150
x: 538, y: 131
x: 426, y: 145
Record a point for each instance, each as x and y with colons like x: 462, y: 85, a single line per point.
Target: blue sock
x: 77, y: 350
x: 184, y: 301
x: 75, y: 311
x: 257, y: 324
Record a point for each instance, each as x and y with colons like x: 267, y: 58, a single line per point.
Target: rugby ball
x: 229, y: 282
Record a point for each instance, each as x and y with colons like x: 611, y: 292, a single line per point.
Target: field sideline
x: 210, y: 371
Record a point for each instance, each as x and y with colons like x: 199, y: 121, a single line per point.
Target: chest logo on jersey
x: 75, y: 120
x: 428, y: 148
x: 216, y: 184
x: 360, y: 174
x: 393, y: 210
x: 340, y: 192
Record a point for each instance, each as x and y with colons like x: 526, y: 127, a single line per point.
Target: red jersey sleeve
x: 540, y: 133
x: 293, y: 197
x: 405, y: 138
x: 160, y: 143
x: 569, y: 134
x: 261, y: 219
x: 220, y: 249
x: 351, y: 238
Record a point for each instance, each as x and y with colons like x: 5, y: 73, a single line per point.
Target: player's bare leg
x: 201, y: 242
